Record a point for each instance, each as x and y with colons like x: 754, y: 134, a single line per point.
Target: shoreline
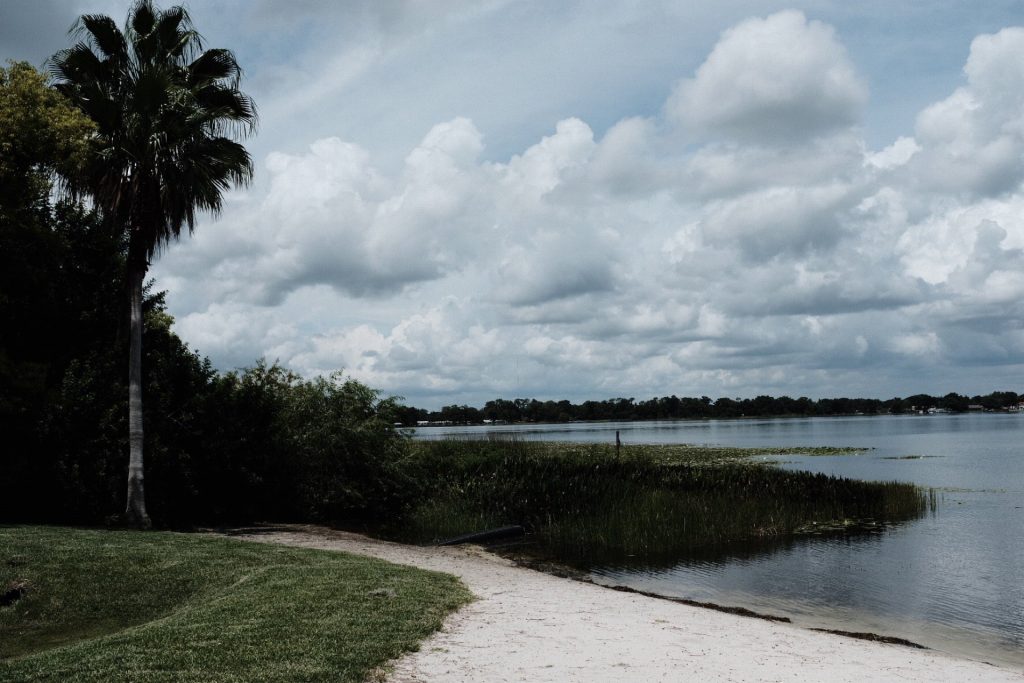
x: 530, y: 625
x: 567, y: 572
x: 723, y: 418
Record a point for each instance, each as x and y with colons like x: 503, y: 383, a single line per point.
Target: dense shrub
x: 257, y: 444
x: 260, y: 444
x: 220, y: 448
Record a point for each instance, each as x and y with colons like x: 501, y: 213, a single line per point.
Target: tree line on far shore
x: 675, y: 407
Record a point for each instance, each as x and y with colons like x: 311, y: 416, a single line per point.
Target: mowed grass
x: 156, y: 606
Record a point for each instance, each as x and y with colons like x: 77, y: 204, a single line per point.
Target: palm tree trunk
x: 135, y: 513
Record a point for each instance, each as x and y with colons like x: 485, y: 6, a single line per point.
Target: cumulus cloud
x: 895, y: 155
x: 769, y: 249
x: 935, y: 247
x: 625, y: 163
x: 973, y: 141
x: 725, y: 170
x: 764, y: 223
x: 552, y: 268
x: 330, y: 218
x: 778, y: 78
x: 549, y: 163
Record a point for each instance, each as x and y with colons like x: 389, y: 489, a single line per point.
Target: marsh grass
x: 133, y: 606
x: 586, y: 503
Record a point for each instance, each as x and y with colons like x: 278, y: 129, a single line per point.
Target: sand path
x: 528, y: 626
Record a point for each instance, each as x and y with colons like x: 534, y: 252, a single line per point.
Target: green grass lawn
x: 156, y: 606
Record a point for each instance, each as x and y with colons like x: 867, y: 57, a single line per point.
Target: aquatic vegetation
x: 586, y: 503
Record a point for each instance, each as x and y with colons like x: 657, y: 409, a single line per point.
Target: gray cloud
x: 629, y: 260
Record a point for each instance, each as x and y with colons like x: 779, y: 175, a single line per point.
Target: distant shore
x: 927, y: 411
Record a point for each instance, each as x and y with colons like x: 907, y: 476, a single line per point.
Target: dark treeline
x: 675, y: 407
x: 221, y: 448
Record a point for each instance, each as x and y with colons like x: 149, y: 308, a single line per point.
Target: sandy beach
x: 529, y: 626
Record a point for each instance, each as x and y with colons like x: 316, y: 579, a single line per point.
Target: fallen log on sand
x: 486, y: 536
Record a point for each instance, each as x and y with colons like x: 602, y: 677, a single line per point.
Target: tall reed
x: 586, y: 503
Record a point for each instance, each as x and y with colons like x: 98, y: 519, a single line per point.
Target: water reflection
x: 851, y: 583
x: 706, y: 559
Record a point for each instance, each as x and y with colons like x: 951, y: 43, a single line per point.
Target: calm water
x: 953, y: 581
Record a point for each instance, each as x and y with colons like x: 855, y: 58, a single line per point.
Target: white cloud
x: 973, y: 141
x: 936, y: 247
x: 896, y: 154
x: 549, y: 163
x: 778, y: 78
x: 770, y: 250
x: 917, y: 345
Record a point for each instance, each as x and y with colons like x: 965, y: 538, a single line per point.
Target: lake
x: 953, y: 581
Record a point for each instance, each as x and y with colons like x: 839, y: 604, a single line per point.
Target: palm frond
x: 226, y: 110
x: 175, y: 34
x: 214, y: 65
x: 142, y: 17
x: 104, y: 34
x: 76, y: 64
x: 167, y: 116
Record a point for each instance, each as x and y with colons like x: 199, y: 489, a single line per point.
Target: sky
x: 459, y: 201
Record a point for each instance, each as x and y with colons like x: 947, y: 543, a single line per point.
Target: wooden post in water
x: 618, y: 443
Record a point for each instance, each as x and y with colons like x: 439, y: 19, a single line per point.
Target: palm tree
x: 168, y: 115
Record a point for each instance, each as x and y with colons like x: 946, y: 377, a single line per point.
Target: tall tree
x: 168, y: 118
x: 40, y: 133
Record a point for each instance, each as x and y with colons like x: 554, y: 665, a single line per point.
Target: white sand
x: 530, y: 626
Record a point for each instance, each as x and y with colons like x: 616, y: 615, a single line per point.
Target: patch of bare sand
x: 528, y: 626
